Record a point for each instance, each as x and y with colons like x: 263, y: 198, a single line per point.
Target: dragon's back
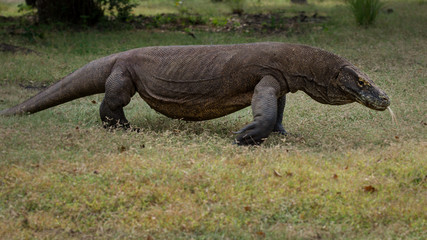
x: 177, y: 79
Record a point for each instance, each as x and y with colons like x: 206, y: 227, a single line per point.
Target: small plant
x: 182, y: 9
x: 365, y: 11
x: 121, y: 9
x: 219, y: 21
x: 24, y: 8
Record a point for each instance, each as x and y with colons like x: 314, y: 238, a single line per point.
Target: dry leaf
x: 277, y: 174
x: 335, y: 176
x: 122, y: 149
x: 369, y: 188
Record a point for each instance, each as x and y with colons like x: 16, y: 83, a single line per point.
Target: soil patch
x: 249, y: 23
x: 4, y: 47
x: 34, y: 86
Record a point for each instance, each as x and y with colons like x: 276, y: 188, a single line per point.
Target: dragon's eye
x: 361, y: 82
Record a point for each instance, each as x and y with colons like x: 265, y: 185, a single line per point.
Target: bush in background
x: 121, y: 9
x: 365, y: 11
x: 81, y: 11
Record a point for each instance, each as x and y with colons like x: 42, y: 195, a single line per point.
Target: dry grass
x: 347, y: 172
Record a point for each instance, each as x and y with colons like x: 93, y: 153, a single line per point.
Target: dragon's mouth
x: 380, y: 104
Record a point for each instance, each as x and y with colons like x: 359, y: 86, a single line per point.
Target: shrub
x: 121, y: 9
x: 81, y: 11
x: 365, y: 11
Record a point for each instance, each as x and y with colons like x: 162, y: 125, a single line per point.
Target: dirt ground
x: 258, y: 23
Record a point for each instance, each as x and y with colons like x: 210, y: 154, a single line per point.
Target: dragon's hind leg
x: 278, y: 127
x: 119, y: 90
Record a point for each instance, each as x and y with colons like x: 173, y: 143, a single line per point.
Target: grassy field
x: 345, y: 172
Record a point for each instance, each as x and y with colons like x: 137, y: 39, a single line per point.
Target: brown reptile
x: 198, y: 83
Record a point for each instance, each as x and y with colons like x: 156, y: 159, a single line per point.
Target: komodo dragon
x: 198, y: 83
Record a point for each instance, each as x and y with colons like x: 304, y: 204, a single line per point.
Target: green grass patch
x: 10, y: 7
x: 345, y: 172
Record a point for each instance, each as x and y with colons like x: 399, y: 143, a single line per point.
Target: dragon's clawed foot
x: 252, y: 134
x: 278, y: 128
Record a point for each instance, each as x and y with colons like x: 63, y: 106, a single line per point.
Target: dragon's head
x: 361, y: 89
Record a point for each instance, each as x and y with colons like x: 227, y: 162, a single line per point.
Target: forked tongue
x: 393, y: 117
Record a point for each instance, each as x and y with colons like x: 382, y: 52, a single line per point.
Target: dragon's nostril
x: 385, y: 100
x: 384, y: 97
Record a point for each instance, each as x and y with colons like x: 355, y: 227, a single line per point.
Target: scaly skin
x: 204, y: 82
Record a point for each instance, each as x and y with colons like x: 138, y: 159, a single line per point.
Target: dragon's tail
x: 88, y: 80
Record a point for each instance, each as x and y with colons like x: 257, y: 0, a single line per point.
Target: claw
x: 281, y: 132
x: 135, y: 129
x: 279, y: 129
x: 248, y: 141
